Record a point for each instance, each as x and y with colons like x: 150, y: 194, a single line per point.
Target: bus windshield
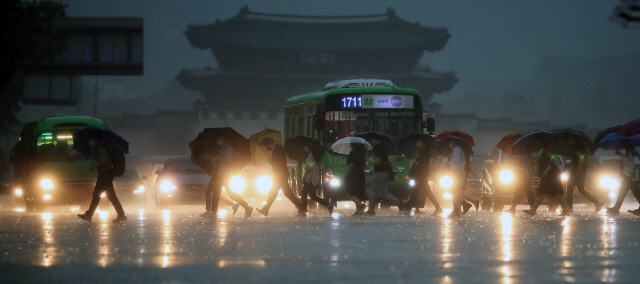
x: 393, y: 123
x: 56, y: 147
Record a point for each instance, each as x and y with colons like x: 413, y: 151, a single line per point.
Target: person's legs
x: 580, y: 184
x: 571, y: 184
x: 531, y: 194
x: 383, y: 190
x: 563, y: 204
x: 236, y: 197
x: 376, y: 183
x: 312, y: 194
x: 429, y: 193
x: 102, y: 184
x: 306, y: 187
x: 273, y: 193
x: 111, y: 194
x: 536, y: 204
x: 635, y: 190
x: 208, y: 193
x: 624, y: 187
x: 288, y: 192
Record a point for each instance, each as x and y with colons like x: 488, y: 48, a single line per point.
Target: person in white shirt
x: 630, y: 180
x: 310, y: 183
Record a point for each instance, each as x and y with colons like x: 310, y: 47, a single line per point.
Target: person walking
x: 522, y: 184
x: 457, y: 163
x: 630, y: 162
x: 420, y: 173
x: 104, y: 183
x: 280, y: 177
x: 550, y: 181
x: 355, y: 180
x: 311, y: 182
x: 220, y: 178
x: 380, y: 182
x: 468, y: 170
x: 577, y: 175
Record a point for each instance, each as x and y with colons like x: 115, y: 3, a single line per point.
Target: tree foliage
x: 29, y: 32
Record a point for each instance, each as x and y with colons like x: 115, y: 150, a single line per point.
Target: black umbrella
x: 604, y: 133
x: 443, y: 143
x: 384, y: 139
x: 107, y: 138
x: 204, y: 148
x: 528, y: 143
x: 407, y: 144
x: 295, y: 148
x: 564, y: 147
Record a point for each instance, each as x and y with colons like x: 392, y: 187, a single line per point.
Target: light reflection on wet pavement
x: 178, y: 245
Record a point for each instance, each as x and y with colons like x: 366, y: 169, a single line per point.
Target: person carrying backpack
x: 108, y: 165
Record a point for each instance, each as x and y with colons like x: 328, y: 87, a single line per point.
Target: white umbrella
x: 343, y: 146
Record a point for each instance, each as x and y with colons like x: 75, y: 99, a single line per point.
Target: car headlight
x: 167, y: 186
x: 46, y: 184
x: 19, y: 192
x: 334, y: 182
x: 506, y: 176
x: 446, y: 182
x: 263, y: 184
x: 46, y: 196
x: 238, y: 184
x: 140, y: 189
x: 447, y: 196
x: 564, y: 177
x: 608, y: 183
x: 412, y: 183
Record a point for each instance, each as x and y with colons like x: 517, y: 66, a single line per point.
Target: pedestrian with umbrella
x: 108, y: 150
x: 578, y: 146
x: 453, y: 147
x: 548, y: 171
x: 521, y: 170
x: 468, y: 169
x: 354, y: 180
x: 231, y: 154
x: 417, y: 146
x: 309, y: 151
x: 630, y: 162
x: 382, y: 172
x: 631, y: 128
x: 278, y: 161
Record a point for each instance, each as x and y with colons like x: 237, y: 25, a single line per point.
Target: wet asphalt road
x: 177, y: 245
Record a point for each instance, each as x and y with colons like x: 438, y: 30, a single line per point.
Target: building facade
x: 263, y: 59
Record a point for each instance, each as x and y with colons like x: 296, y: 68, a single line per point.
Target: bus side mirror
x: 318, y: 121
x: 431, y: 124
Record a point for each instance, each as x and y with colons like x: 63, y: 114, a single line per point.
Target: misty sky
x: 494, y: 44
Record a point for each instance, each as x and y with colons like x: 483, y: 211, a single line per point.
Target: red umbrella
x: 630, y: 129
x: 507, y: 142
x: 457, y: 133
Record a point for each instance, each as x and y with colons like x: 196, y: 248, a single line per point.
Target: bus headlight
x: 564, y: 176
x: 238, y: 184
x: 47, y: 196
x: 608, y: 183
x: 140, y: 189
x: 447, y: 196
x: 46, y: 184
x: 263, y: 184
x: 19, y: 192
x: 167, y: 186
x: 334, y: 182
x: 412, y: 183
x: 506, y: 176
x: 446, y: 182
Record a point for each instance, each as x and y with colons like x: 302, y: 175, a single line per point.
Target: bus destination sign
x: 374, y: 101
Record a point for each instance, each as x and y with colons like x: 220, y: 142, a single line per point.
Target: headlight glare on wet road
x: 264, y: 183
x: 167, y: 186
x: 238, y: 184
x: 446, y: 182
x: 46, y: 184
x: 506, y: 176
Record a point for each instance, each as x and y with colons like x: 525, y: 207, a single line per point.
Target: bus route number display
x: 375, y: 101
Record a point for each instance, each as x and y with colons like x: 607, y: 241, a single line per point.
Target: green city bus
x: 47, y: 170
x: 347, y: 108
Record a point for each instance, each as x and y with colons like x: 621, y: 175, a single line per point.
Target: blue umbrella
x: 107, y: 137
x: 611, y: 141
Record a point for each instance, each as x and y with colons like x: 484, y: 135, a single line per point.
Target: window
x: 57, y: 146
